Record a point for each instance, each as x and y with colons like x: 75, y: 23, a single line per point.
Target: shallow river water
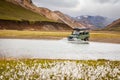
x: 57, y: 49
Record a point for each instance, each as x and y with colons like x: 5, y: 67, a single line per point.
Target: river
x: 57, y: 49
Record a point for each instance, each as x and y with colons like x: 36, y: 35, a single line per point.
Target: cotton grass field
x: 43, y: 69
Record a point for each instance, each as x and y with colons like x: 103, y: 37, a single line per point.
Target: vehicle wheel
x: 87, y: 39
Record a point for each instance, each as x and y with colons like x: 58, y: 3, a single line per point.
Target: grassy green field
x: 42, y: 69
x: 9, y: 11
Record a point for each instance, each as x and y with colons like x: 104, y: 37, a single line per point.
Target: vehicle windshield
x: 75, y: 32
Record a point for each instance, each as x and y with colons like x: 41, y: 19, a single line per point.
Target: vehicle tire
x: 87, y: 39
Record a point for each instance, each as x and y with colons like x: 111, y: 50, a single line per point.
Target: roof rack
x: 79, y: 29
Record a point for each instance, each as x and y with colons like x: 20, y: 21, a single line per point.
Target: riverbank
x: 97, y: 36
x: 105, y: 36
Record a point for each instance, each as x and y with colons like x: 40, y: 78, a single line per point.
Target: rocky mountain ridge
x: 95, y: 21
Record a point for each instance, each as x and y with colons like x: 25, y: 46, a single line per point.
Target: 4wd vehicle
x: 79, y: 34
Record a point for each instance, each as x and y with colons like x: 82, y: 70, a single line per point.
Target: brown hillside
x: 26, y: 25
x: 57, y: 16
x: 66, y: 19
x: 114, y: 26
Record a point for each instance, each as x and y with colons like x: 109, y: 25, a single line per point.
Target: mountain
x: 53, y: 15
x: 114, y: 26
x: 9, y: 11
x: 68, y: 20
x: 95, y: 21
x: 20, y: 15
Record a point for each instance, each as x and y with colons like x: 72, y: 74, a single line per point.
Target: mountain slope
x: 68, y: 20
x: 9, y: 11
x: 15, y: 16
x: 96, y: 21
x: 28, y: 4
x: 114, y: 26
x: 33, y: 26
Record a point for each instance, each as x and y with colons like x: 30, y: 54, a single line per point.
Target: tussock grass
x: 31, y: 34
x: 105, y: 35
x: 40, y: 34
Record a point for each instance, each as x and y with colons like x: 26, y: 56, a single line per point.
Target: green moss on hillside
x: 9, y: 11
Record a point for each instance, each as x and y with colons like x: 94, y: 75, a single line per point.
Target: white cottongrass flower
x: 60, y: 71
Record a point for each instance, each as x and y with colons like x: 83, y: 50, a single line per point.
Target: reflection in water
x: 57, y: 49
